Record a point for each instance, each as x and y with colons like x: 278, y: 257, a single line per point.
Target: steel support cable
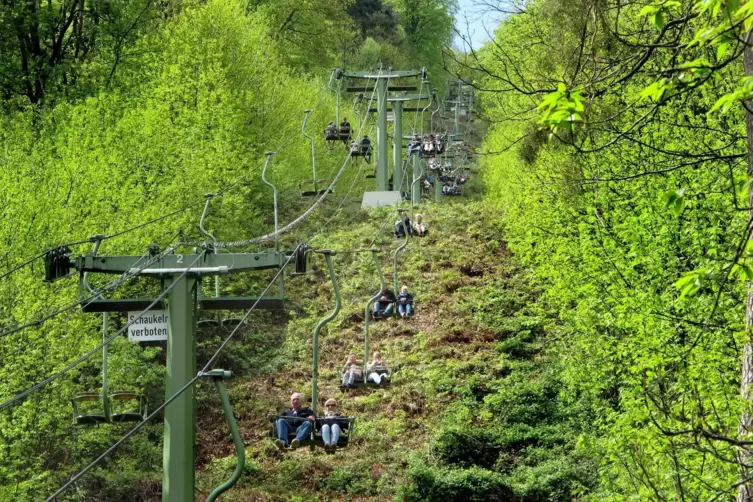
x: 114, y: 284
x: 299, y: 219
x: 180, y: 391
x: 99, y: 347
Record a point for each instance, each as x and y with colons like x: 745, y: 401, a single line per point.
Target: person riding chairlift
x: 420, y: 227
x: 355, y: 150
x: 385, y: 304
x: 298, y: 420
x: 377, y: 370
x: 441, y: 142
x: 404, y: 302
x: 330, y: 133
x: 414, y: 146
x: 331, y: 426
x: 402, y: 226
x: 366, y: 149
x: 352, y: 372
x: 345, y: 131
x: 448, y: 189
x: 428, y: 146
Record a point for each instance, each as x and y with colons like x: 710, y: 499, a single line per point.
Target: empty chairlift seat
x: 88, y: 409
x: 127, y: 406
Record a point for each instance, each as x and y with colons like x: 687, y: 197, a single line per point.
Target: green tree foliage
x: 128, y: 112
x: 49, y: 47
x: 633, y: 217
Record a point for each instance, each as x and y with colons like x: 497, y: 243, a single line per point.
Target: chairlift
x: 347, y: 428
x: 83, y: 405
x: 208, y: 324
x: 312, y: 188
x: 122, y: 413
x: 347, y: 423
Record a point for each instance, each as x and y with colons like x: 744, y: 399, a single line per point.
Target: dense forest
x: 584, y: 309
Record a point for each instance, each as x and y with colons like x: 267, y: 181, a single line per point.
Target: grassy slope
x: 453, y: 396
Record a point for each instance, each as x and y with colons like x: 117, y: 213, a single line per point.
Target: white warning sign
x: 147, y: 326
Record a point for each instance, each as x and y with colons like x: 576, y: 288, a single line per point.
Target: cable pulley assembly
x: 57, y: 263
x: 301, y: 259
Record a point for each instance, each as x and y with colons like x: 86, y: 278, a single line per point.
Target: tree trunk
x: 745, y: 491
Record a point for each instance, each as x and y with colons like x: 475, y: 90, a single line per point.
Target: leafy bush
x: 350, y: 481
x: 471, y: 447
x: 429, y: 484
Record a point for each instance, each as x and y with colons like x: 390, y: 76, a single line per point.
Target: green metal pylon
x: 397, y: 175
x: 180, y: 415
x: 383, y: 172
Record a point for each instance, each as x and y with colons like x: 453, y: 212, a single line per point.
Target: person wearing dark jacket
x: 366, y: 149
x: 298, y: 419
x: 345, y: 131
x: 385, y: 304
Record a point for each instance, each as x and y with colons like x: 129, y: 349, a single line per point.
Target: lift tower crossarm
x: 406, y: 97
x: 182, y: 273
x: 390, y: 74
x: 212, y: 263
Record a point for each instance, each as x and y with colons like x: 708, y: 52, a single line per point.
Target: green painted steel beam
x: 375, y: 110
x: 373, y: 75
x: 407, y: 97
x: 397, y: 145
x: 235, y: 262
x: 382, y: 161
x: 393, y: 88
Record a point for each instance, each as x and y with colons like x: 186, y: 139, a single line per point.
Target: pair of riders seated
x: 430, y: 145
x: 376, y: 371
x: 448, y: 189
x: 301, y: 420
x: 364, y: 149
x: 385, y: 306
x: 331, y: 133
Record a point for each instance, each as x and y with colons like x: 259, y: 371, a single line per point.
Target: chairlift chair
x: 381, y: 312
x: 208, y: 324
x: 122, y: 414
x: 85, y: 400
x: 361, y: 383
x: 347, y: 427
x: 310, y: 188
x: 231, y: 323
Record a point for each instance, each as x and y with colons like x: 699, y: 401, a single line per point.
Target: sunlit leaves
x: 744, y: 92
x: 562, y: 109
x: 674, y: 200
x: 657, y: 14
